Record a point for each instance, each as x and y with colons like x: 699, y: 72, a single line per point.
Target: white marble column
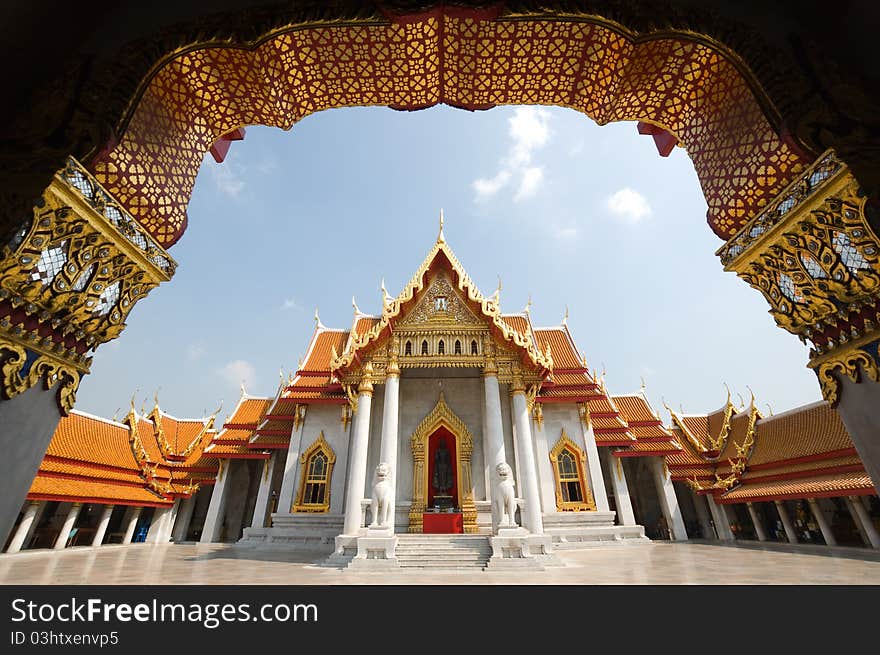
x: 357, y: 466
x: 390, y: 416
x: 291, y: 464
x: 597, y: 480
x: 822, y: 520
x: 668, y: 500
x: 625, y: 514
x: 156, y: 533
x: 493, y: 438
x: 863, y: 521
x: 756, y: 521
x: 264, y: 492
x: 102, y: 525
x: 702, y: 509
x: 132, y: 516
x: 532, y: 520
x: 69, y: 522
x: 217, y: 507
x: 719, y: 516
x: 790, y: 532
x: 184, y: 517
x: 24, y: 528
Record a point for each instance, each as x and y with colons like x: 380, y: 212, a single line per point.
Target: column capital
x: 517, y: 386
x: 365, y: 386
x: 490, y: 368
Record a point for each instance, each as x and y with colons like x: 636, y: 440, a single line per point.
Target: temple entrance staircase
x: 443, y: 551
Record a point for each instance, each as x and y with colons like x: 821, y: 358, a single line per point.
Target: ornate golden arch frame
x: 442, y: 416
x: 587, y: 504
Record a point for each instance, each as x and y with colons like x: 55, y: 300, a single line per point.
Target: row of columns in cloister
x: 716, y: 520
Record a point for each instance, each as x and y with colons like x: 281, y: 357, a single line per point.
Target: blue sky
x: 563, y: 210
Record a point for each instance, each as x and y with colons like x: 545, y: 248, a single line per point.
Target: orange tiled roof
x: 520, y: 323
x: 807, y: 431
x: 561, y: 347
x: 634, y: 407
x: 321, y: 349
x: 249, y: 411
x: 85, y: 438
x: 644, y: 447
x: 50, y: 488
x: 831, y: 484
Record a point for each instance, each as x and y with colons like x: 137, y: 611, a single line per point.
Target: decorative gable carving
x: 440, y: 305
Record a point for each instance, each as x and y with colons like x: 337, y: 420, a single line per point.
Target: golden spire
x: 528, y: 307
x: 386, y: 297
x: 440, y: 237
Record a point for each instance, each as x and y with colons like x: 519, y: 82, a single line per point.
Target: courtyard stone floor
x: 646, y: 563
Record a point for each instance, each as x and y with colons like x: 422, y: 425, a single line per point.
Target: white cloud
x: 565, y: 232
x: 290, y: 303
x: 195, y: 351
x: 630, y: 205
x: 531, y: 181
x: 226, y: 177
x: 238, y: 371
x: 529, y: 130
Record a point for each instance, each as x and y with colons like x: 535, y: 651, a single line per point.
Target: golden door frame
x: 442, y: 416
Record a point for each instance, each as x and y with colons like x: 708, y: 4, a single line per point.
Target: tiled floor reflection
x: 650, y: 563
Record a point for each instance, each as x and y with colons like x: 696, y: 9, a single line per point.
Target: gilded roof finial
x: 440, y: 237
x: 752, y: 393
x: 133, y: 396
x: 243, y: 392
x: 497, y: 295
x: 728, y: 392
x: 742, y: 403
x: 644, y: 386
x: 769, y: 409
x: 116, y: 413
x: 528, y: 307
x: 299, y: 363
x: 156, y: 397
x: 354, y: 304
x: 318, y: 324
x: 386, y: 297
x: 565, y: 316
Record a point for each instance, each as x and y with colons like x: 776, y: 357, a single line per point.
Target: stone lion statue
x: 383, y: 492
x: 505, y: 496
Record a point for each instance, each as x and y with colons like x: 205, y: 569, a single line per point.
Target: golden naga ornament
x: 68, y: 281
x: 814, y: 256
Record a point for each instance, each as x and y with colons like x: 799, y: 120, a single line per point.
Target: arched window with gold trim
x: 424, y: 347
x: 474, y: 347
x: 569, y: 462
x: 441, y: 348
x: 408, y: 350
x: 457, y: 346
x: 314, y: 486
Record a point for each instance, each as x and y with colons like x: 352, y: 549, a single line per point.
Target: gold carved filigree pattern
x: 816, y: 260
x: 69, y: 280
x: 442, y: 416
x: 682, y: 82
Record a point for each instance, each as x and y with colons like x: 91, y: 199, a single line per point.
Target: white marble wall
x: 326, y: 419
x: 418, y: 396
x: 556, y: 417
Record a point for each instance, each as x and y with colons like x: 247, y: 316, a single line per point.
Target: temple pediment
x: 440, y: 318
x: 441, y: 305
